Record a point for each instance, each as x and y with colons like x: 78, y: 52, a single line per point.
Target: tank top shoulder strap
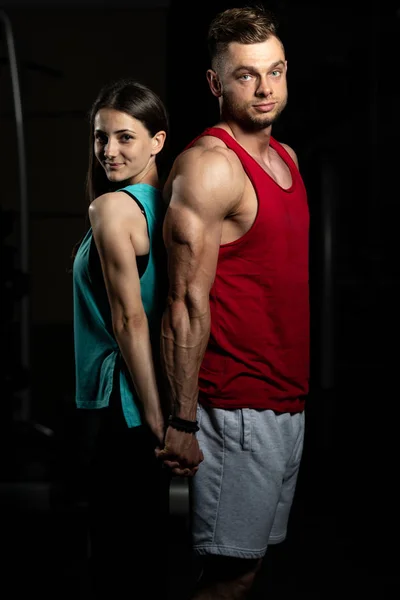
x: 230, y: 142
x: 251, y: 167
x: 283, y: 153
x: 240, y: 151
x: 222, y: 135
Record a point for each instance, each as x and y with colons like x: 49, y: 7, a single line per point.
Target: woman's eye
x: 101, y: 138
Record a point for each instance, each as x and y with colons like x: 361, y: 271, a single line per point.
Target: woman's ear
x: 158, y: 141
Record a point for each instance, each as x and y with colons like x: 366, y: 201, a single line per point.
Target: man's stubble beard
x: 232, y: 111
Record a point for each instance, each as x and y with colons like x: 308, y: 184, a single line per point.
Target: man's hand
x: 181, y: 452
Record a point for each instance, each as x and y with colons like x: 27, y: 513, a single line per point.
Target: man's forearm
x: 184, y: 339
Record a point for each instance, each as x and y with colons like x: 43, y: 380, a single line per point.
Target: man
x: 235, y: 339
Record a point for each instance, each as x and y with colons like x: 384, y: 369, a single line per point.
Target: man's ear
x: 214, y: 83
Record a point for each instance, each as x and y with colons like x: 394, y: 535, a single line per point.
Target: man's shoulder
x: 208, y: 151
x: 211, y: 167
x: 207, y: 139
x: 205, y: 174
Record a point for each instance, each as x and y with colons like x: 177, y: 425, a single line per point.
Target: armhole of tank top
x: 141, y: 261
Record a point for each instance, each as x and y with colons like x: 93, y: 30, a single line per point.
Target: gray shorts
x: 242, y: 494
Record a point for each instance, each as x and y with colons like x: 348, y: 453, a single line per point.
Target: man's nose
x: 264, y: 87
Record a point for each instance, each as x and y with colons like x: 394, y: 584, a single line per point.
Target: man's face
x: 253, y: 83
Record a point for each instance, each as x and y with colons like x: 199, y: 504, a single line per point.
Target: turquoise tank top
x: 98, y: 360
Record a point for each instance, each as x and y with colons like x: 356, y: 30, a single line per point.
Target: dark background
x: 342, y: 120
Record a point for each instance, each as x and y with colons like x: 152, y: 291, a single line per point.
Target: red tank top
x: 258, y: 351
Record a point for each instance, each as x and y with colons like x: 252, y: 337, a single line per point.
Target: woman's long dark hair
x: 141, y: 103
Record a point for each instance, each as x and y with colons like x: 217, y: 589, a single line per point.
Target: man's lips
x: 265, y: 107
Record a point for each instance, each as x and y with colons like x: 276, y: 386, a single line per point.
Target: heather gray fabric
x: 243, y: 491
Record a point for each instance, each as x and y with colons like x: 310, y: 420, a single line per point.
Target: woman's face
x: 123, y: 146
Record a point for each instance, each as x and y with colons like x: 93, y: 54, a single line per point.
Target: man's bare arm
x: 205, y: 188
x: 203, y: 194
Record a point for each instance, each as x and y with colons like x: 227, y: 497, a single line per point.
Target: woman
x: 119, y: 294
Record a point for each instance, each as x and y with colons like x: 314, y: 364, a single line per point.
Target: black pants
x: 127, y: 493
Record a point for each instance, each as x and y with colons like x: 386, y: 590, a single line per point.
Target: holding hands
x: 181, y: 451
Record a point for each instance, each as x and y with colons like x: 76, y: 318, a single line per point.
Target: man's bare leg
x: 226, y: 578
